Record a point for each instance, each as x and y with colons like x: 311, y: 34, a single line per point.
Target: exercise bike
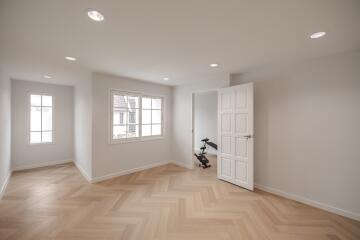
x: 204, y: 162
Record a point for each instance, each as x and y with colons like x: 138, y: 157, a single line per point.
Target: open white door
x: 235, y: 135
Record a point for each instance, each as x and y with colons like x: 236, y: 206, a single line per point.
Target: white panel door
x: 235, y: 134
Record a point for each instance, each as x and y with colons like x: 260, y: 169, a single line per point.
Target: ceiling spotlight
x: 214, y: 65
x: 166, y: 79
x: 95, y: 15
x: 70, y: 58
x: 317, y: 35
x: 47, y: 76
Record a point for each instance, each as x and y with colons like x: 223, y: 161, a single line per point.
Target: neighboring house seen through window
x: 135, y: 116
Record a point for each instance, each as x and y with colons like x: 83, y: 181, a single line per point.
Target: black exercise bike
x: 204, y: 162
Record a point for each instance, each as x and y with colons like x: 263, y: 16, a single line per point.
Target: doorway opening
x: 225, y: 117
x: 205, y: 130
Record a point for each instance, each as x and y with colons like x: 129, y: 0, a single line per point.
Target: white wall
x: 83, y: 127
x: 307, y: 132
x: 25, y: 155
x: 205, y: 119
x: 5, y: 127
x: 112, y: 159
x: 182, y: 145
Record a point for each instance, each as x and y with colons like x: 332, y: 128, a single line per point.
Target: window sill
x: 134, y: 140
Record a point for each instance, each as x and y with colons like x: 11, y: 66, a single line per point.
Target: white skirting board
x: 323, y: 206
x: 37, y: 165
x: 26, y: 167
x: 185, y: 165
x: 125, y: 172
x: 83, y: 172
x: 128, y: 171
x: 3, y: 187
x: 307, y: 201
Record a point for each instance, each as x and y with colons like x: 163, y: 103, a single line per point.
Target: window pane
x: 47, y: 101
x: 156, y: 116
x: 46, y: 119
x: 35, y: 100
x: 120, y: 117
x: 46, y: 137
x: 120, y: 101
x: 35, y: 119
x: 146, y: 130
x: 156, y: 129
x: 119, y: 132
x: 133, y: 102
x: 116, y: 117
x: 146, y: 103
x: 133, y: 117
x: 156, y: 103
x: 35, y: 137
x: 146, y: 116
x: 133, y: 131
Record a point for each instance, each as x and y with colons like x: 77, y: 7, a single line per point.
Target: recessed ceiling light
x: 47, y: 76
x: 70, y: 58
x: 95, y: 15
x: 214, y: 65
x: 317, y: 35
x: 166, y: 79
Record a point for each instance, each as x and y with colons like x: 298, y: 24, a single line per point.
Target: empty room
x: 172, y: 120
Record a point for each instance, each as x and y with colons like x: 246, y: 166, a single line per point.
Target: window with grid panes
x: 135, y: 117
x: 41, y: 119
x: 151, y: 124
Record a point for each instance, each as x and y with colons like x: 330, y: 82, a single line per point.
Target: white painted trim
x: 307, y: 201
x: 184, y: 165
x: 3, y: 187
x: 125, y: 172
x: 38, y: 165
x: 83, y: 172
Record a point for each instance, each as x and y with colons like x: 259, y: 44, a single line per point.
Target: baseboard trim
x: 4, y: 186
x: 83, y: 172
x: 307, y: 201
x: 125, y: 172
x: 38, y: 165
x: 184, y: 165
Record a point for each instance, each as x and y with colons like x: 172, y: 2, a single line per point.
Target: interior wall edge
x: 82, y: 171
x: 5, y: 129
x: 39, y: 165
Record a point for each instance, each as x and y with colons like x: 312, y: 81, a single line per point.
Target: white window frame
x: 113, y: 92
x: 29, y: 118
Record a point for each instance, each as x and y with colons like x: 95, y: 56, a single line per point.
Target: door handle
x: 247, y: 136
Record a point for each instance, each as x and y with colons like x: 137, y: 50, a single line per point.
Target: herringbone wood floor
x: 167, y: 202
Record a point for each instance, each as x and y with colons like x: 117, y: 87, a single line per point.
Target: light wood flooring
x: 167, y: 202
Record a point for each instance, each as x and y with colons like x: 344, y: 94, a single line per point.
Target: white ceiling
x: 151, y: 39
